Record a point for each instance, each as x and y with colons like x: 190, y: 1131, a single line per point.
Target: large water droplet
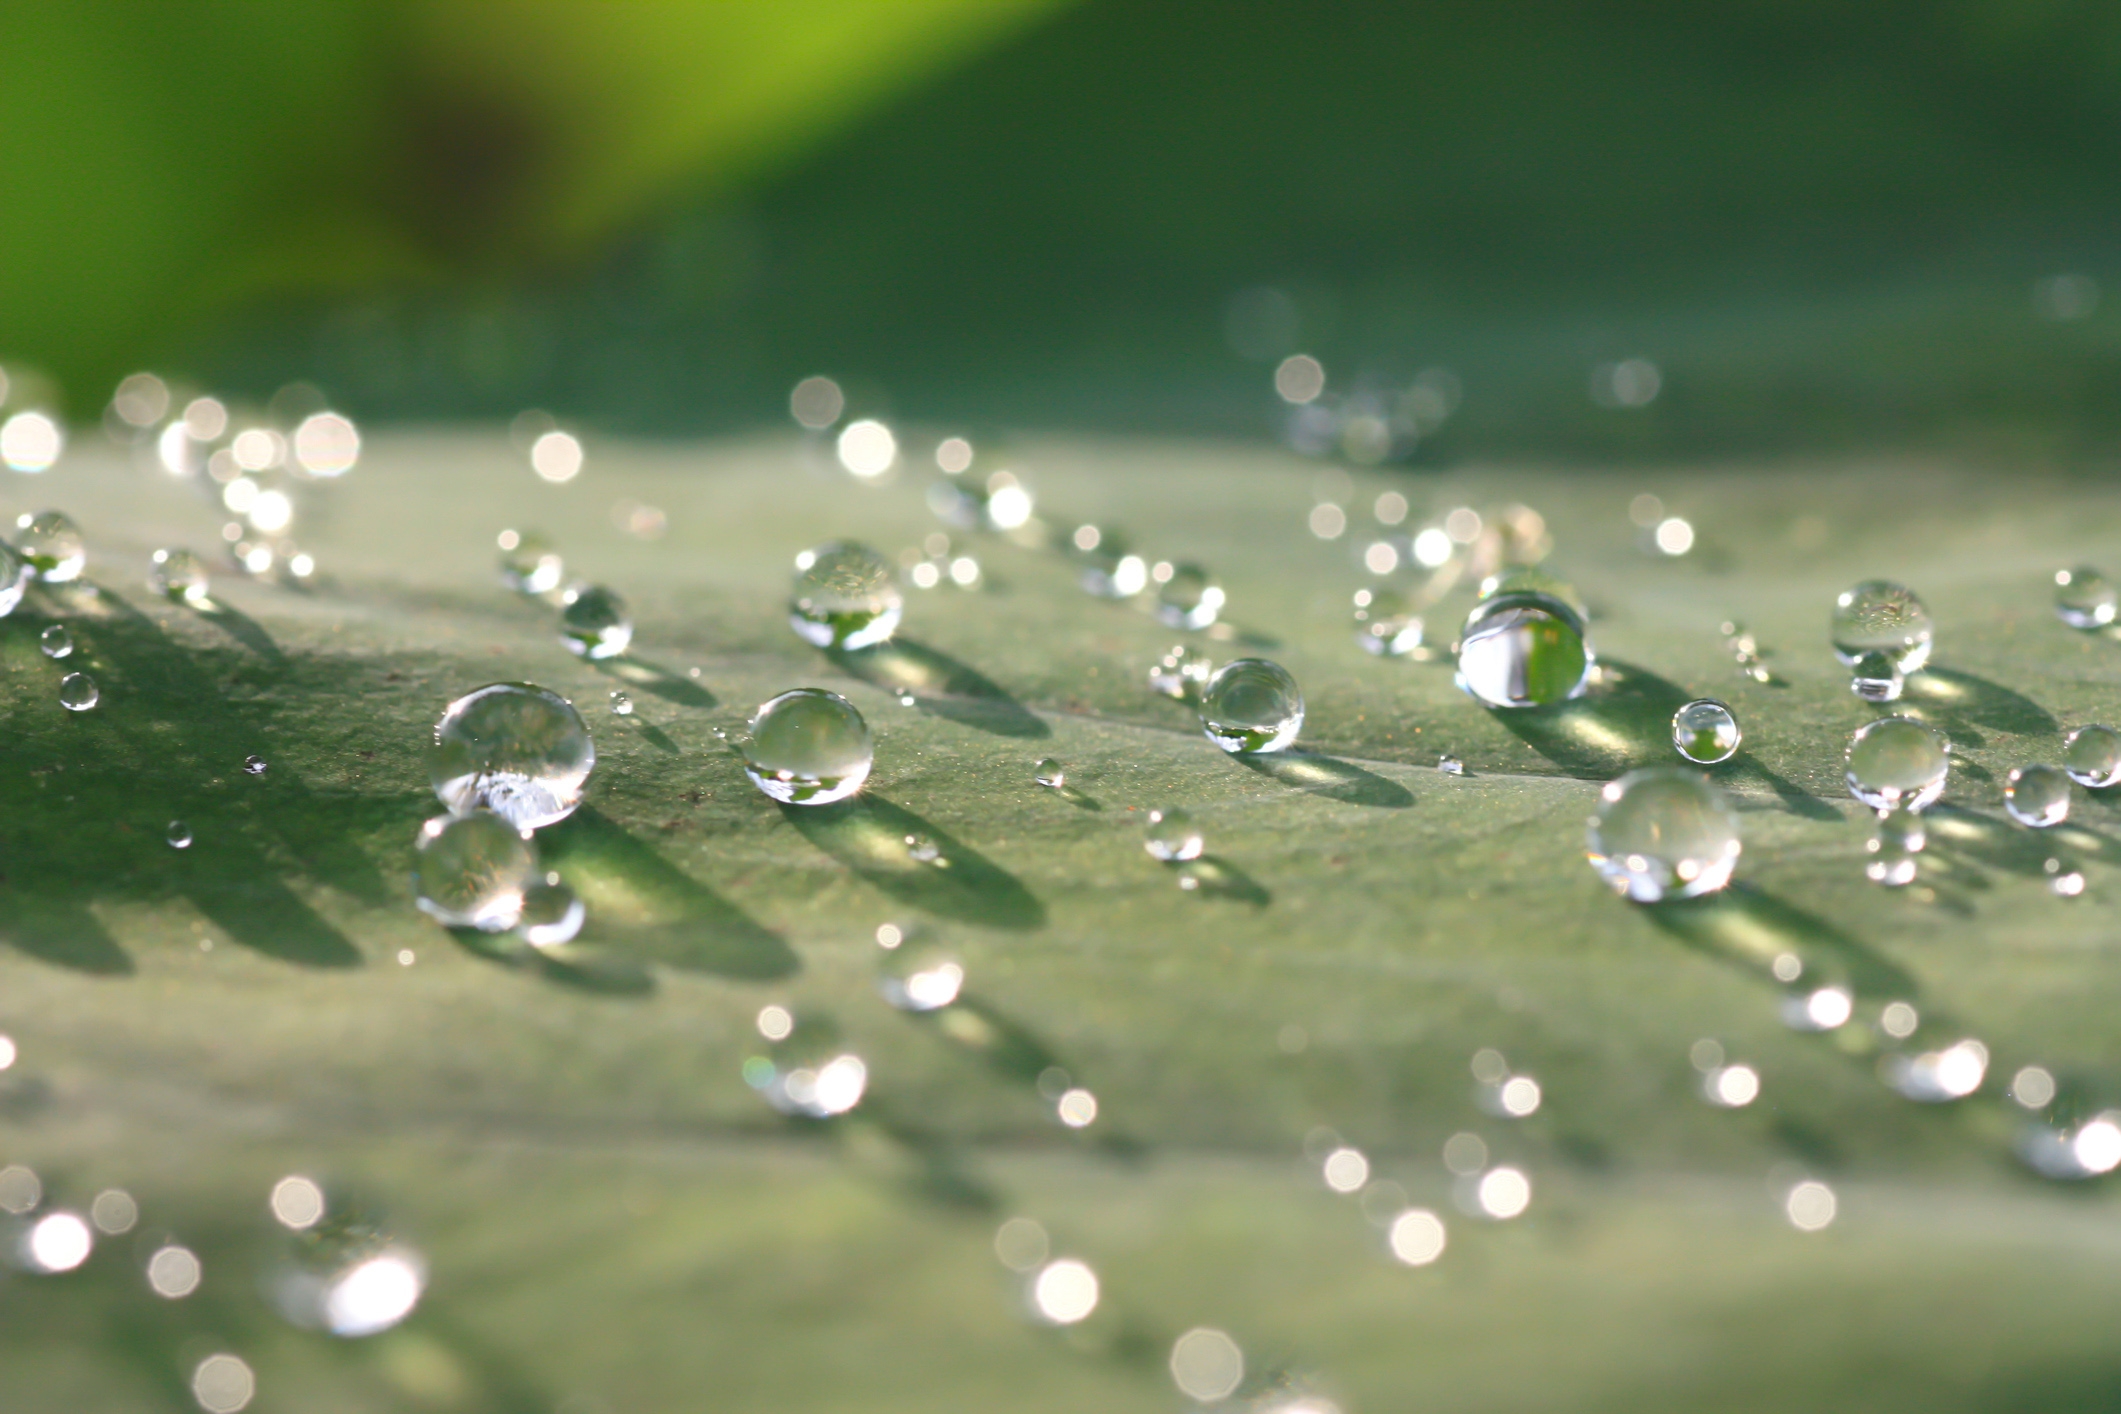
x: 1387, y: 622
x: 474, y: 869
x: 1251, y: 705
x: 2092, y: 756
x: 52, y: 546
x: 1897, y: 836
x: 1879, y: 616
x: 1897, y: 762
x: 808, y: 747
x: 78, y: 692
x: 1050, y: 773
x: 178, y: 575
x: 1663, y: 832
x: 594, y: 623
x: 2037, y: 796
x: 2085, y: 598
x: 846, y: 596
x: 14, y: 579
x: 530, y: 564
x: 512, y: 748
x: 56, y: 641
x: 807, y: 1069
x: 1524, y: 645
x: 1187, y: 597
x: 552, y: 914
x: 1876, y: 677
x: 1705, y: 731
x: 1172, y: 836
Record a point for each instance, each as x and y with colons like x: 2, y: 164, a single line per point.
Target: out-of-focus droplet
x: 1172, y: 836
x: 552, y: 914
x: 31, y: 441
x: 1186, y: 597
x: 52, y: 546
x: 1050, y: 773
x: 1876, y: 677
x: 1896, y: 838
x: 173, y: 1272
x: 1021, y: 1244
x: 179, y: 576
x: 1076, y: 1108
x: 594, y: 622
x: 845, y: 596
x: 78, y: 692
x: 2037, y: 796
x: 808, y: 747
x: 1810, y: 1205
x: 867, y: 448
x: 1935, y: 1077
x: 223, y: 1384
x: 1064, y: 1292
x: 1879, y: 616
x: 1180, y: 673
x: 55, y: 641
x: 529, y: 562
x: 621, y: 703
x: 1450, y: 765
x: 2085, y: 598
x: 1706, y: 732
x: 1896, y: 763
x: 1207, y: 1365
x: 1417, y: 1237
x: 1822, y: 1009
x: 1731, y: 1087
x: 1663, y: 832
x: 808, y: 1070
x: 1253, y: 706
x: 1524, y: 646
x: 1502, y: 1193
x: 556, y: 457
x: 474, y: 869
x: 2092, y: 756
x: 2033, y: 1087
x: 178, y: 835
x: 817, y: 403
x: 327, y: 444
x: 57, y: 1241
x: 1386, y: 622
x: 922, y: 849
x: 512, y: 748
x: 114, y: 1211
x: 920, y: 976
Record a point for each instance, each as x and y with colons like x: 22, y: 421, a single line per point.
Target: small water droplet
x: 807, y: 1069
x: 1879, y: 616
x: 2092, y: 756
x: 2037, y: 796
x: 254, y: 766
x: 1180, y: 673
x: 1896, y: 837
x: 1897, y: 762
x: 178, y: 575
x: 1252, y: 705
x: 621, y: 704
x: 1705, y: 732
x: 179, y: 835
x: 2085, y: 598
x: 1524, y: 645
x: 1186, y: 597
x: 922, y: 849
x: 2067, y: 885
x: 1876, y: 677
x: 594, y: 622
x: 474, y: 870
x: 78, y: 692
x: 529, y: 563
x: 808, y: 747
x: 845, y: 596
x: 1663, y: 832
x: 1172, y: 836
x: 512, y: 748
x: 1049, y: 772
x: 1386, y: 622
x: 920, y: 976
x: 1450, y: 765
x: 52, y: 546
x: 552, y: 914
x: 56, y: 641
x: 1936, y: 1077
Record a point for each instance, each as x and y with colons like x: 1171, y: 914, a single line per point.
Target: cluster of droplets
x: 594, y: 620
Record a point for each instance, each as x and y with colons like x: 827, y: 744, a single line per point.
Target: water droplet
x: 530, y: 564
x: 342, y: 1269
x: 1386, y: 622
x: 56, y: 641
x: 52, y: 546
x: 78, y: 692
x: 552, y: 914
x: 179, y: 835
x: 594, y: 623
x: 173, y: 1272
x: 223, y: 1384
x: 1049, y: 772
x: 2092, y: 1149
x: 1897, y: 836
x: 1186, y: 597
x: 254, y: 766
x: 1207, y: 1365
x: 2037, y: 796
x: 474, y: 869
x: 1172, y: 836
x: 1663, y: 832
x: 1876, y: 677
x: 621, y: 704
x: 1108, y: 569
x: 1731, y: 1087
x: 1450, y: 765
x: 1935, y: 1077
x: 1252, y: 705
x: 1879, y: 616
x: 1897, y: 762
x: 922, y: 849
x: 2092, y: 756
x: 920, y: 976
x: 512, y: 748
x: 1064, y: 1292
x: 14, y: 579
x: 845, y: 596
x: 1524, y: 645
x: 178, y: 575
x: 1704, y: 731
x: 1416, y: 1237
x: 1810, y: 1206
x: 808, y: 747
x: 807, y: 1070
x: 1180, y: 673
x: 2085, y: 598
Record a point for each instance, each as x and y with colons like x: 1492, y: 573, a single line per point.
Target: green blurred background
x: 1825, y: 223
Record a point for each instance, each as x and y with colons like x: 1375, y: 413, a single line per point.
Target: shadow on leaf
x: 1750, y: 927
x: 1324, y: 776
x: 941, y: 685
x: 869, y: 835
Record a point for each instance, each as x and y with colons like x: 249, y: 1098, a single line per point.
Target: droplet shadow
x: 1210, y: 876
x: 940, y: 685
x: 868, y: 835
x: 654, y: 678
x: 1961, y: 697
x: 1749, y: 927
x: 1329, y: 778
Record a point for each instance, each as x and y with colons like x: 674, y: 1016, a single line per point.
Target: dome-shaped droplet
x: 808, y: 1069
x: 255, y: 765
x: 2092, y: 756
x: 1251, y: 705
x: 920, y: 976
x: 78, y: 692
x: 2085, y: 598
x: 594, y: 622
x: 179, y: 576
x: 1705, y: 731
x: 1663, y: 832
x: 1897, y: 763
x: 14, y: 579
x: 1188, y: 597
x: 1879, y: 616
x: 1897, y: 836
x: 1524, y: 645
x: 1173, y: 837
x: 846, y: 596
x: 52, y: 546
x: 514, y: 749
x: 530, y: 564
x: 552, y: 914
x: 178, y: 835
x: 473, y: 870
x: 621, y: 704
x: 1876, y: 677
x: 55, y: 641
x: 2037, y: 796
x: 1050, y: 773
x: 1386, y: 622
x: 808, y: 747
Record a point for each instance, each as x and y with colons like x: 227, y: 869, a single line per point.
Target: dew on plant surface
x: 1180, y: 673
x: 174, y: 1272
x: 78, y: 692
x: 1465, y: 1154
x: 223, y: 1384
x: 621, y: 704
x: 52, y: 546
x: 179, y: 576
x: 55, y: 1242
x: 1172, y: 836
x: 807, y: 1069
x: 2091, y: 1149
x: 1064, y: 1292
x: 1076, y: 1108
x: 1050, y: 773
x: 920, y: 976
x: 20, y: 1189
x: 552, y: 914
x: 1450, y: 765
x: 1823, y: 1009
x: 1663, y: 832
x: 512, y: 748
x: 2033, y: 1087
x: 1108, y: 569
x: 1897, y: 763
x: 1416, y: 1237
x: 922, y: 849
x: 594, y: 622
x: 1899, y: 1020
x: 178, y: 835
x: 1731, y: 1087
x: 2092, y: 756
x: 1345, y: 1170
x: 1386, y: 622
x: 1879, y: 616
x: 114, y: 1211
x: 255, y: 766
x: 1524, y: 645
x: 1896, y: 837
x: 1704, y: 731
x: 343, y: 1271
x: 2037, y: 796
x: 530, y: 564
x: 1502, y: 1193
x: 2085, y: 598
x: 1021, y: 1244
x: 1875, y: 677
x: 1207, y: 1365
x: 1251, y: 705
x: 1934, y: 1077
x: 1810, y: 1205
x: 1186, y: 597
x: 56, y: 641
x: 473, y: 871
x: 845, y: 596
x: 808, y: 747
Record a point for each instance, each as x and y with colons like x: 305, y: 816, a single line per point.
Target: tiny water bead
x: 78, y: 692
x: 2092, y: 756
x: 179, y: 576
x: 2037, y: 796
x: 621, y: 704
x: 1524, y: 645
x: 178, y: 835
x: 56, y: 641
x: 512, y: 748
x: 1186, y: 596
x: 1663, y: 832
x: 552, y: 914
x: 1879, y: 616
x: 846, y: 596
x: 1876, y: 677
x: 1173, y: 837
x: 474, y: 870
x: 1897, y: 762
x: 1386, y: 622
x: 530, y: 564
x: 254, y: 766
x: 1050, y: 773
x: 2085, y: 598
x: 52, y: 546
x: 1252, y: 705
x: 1705, y: 732
x: 1896, y: 837
x: 808, y: 747
x: 594, y: 622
